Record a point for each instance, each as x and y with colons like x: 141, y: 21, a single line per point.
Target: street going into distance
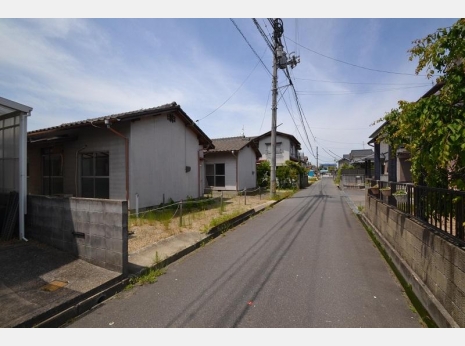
x: 307, y: 262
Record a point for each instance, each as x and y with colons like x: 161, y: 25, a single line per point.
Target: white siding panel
x: 96, y: 139
x: 280, y: 158
x: 160, y: 151
x: 247, y: 169
x: 229, y: 165
x: 285, y: 147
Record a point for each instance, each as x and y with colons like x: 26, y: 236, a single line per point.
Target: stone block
x: 114, y: 245
x: 97, y: 218
x: 97, y: 242
x: 97, y: 255
x: 97, y: 230
x: 114, y: 258
x: 97, y: 206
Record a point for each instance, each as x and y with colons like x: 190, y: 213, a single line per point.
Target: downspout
x: 199, y: 171
x: 237, y: 169
x: 126, y: 143
x: 22, y: 173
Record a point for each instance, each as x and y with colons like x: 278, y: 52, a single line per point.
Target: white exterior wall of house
x: 98, y: 140
x: 229, y: 161
x: 384, y: 153
x: 286, y: 149
x: 247, y: 168
x: 283, y: 149
x: 160, y: 151
x: 89, y: 140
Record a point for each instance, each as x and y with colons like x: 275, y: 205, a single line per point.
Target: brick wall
x: 95, y: 230
x: 432, y: 265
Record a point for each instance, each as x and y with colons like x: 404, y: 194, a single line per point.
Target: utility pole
x: 317, y: 167
x: 274, y: 109
x: 279, y: 61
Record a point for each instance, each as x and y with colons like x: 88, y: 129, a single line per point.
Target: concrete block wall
x: 95, y: 230
x: 437, y: 266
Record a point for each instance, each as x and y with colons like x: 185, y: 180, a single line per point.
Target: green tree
x: 263, y: 174
x: 432, y: 129
x: 289, y: 174
x: 345, y: 165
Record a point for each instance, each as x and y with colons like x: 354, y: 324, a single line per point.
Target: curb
x: 434, y: 308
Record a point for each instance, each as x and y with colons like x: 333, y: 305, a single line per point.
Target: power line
x: 266, y: 68
x: 357, y: 66
x: 231, y: 95
x: 322, y: 93
x: 360, y: 83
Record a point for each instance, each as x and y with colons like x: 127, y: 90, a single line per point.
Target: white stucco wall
x: 229, y: 166
x: 282, y: 156
x: 247, y: 169
x: 246, y: 164
x: 160, y: 151
x: 95, y: 139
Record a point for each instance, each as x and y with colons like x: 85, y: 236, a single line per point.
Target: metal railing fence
x: 442, y: 209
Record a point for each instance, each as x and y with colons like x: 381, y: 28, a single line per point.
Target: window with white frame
x: 215, y: 174
x: 279, y: 150
x: 95, y: 175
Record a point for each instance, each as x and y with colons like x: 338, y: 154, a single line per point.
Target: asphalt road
x: 306, y: 263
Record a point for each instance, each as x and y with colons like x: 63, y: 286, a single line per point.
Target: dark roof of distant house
x: 128, y: 116
x: 228, y: 144
x: 359, y: 153
x: 291, y: 137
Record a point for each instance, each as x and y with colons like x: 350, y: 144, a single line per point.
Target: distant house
x: 146, y: 156
x: 360, y: 156
x: 231, y: 165
x: 344, y: 160
x: 389, y: 165
x: 287, y: 147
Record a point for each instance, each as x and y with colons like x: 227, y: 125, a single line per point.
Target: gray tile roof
x: 233, y: 143
x: 355, y: 154
x: 163, y: 109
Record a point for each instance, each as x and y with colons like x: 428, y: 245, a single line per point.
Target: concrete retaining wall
x: 95, y: 230
x: 432, y: 265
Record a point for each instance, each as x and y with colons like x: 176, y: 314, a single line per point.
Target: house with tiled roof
x: 231, y: 164
x: 360, y: 155
x: 344, y: 160
x: 389, y: 165
x: 146, y: 157
x: 287, y: 147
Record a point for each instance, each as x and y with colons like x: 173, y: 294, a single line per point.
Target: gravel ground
x: 143, y: 232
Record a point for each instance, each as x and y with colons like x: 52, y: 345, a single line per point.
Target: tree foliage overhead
x: 432, y: 129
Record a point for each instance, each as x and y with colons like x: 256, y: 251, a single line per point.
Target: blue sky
x: 353, y: 68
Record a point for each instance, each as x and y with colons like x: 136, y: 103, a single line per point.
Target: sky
x: 85, y: 61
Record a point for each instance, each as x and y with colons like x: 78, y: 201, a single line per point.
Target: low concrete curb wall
x: 432, y: 265
x: 95, y: 230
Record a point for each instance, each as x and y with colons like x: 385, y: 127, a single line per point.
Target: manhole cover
x: 54, y: 285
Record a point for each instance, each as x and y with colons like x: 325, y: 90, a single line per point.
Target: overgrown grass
x: 149, y: 276
x: 167, y: 213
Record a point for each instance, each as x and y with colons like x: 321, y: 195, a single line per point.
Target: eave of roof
x: 128, y: 116
x: 266, y: 134
x: 228, y: 144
